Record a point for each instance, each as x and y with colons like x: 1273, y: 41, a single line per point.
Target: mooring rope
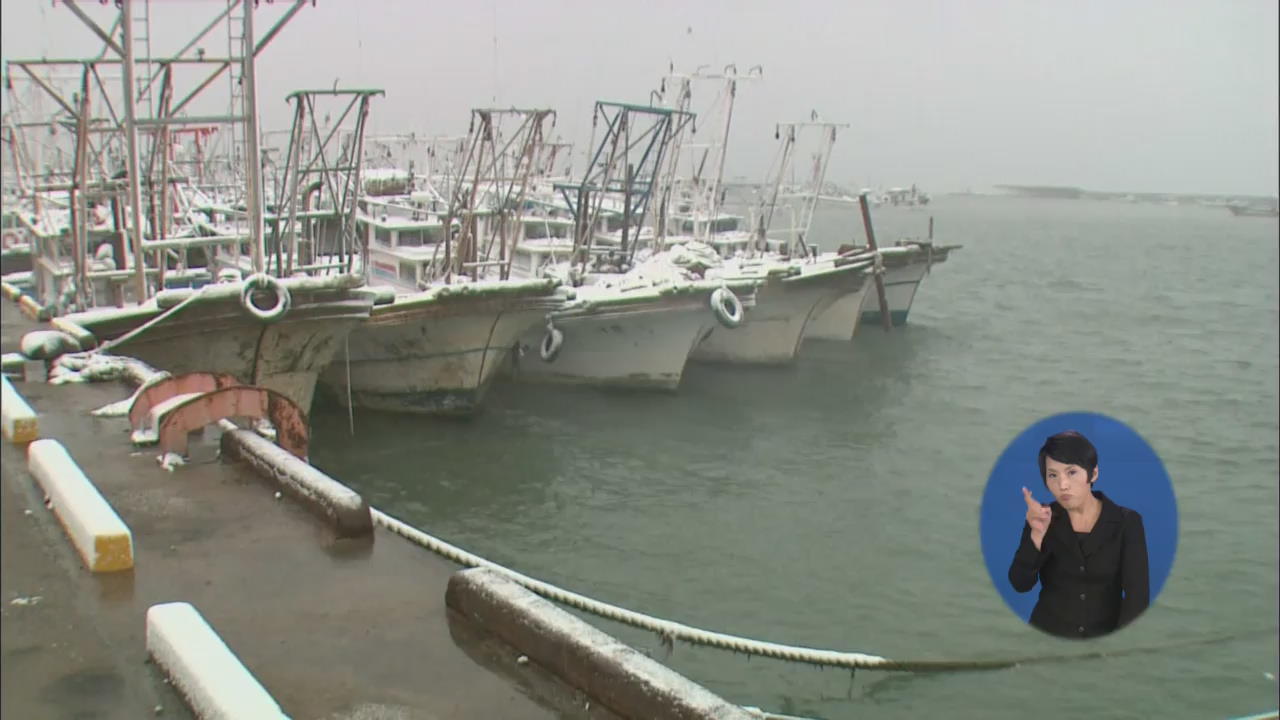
x: 108, y: 345
x: 670, y: 630
x: 351, y: 412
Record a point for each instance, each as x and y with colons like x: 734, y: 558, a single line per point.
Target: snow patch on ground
x: 119, y: 408
x: 87, y: 367
x: 169, y: 461
x: 144, y: 436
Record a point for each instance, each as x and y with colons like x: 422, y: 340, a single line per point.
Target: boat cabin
x: 404, y: 252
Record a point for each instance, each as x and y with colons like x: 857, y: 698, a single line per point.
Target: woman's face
x: 1068, y: 483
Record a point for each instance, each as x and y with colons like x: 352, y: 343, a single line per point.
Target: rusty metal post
x: 161, y: 143
x: 79, y: 204
x: 871, y: 243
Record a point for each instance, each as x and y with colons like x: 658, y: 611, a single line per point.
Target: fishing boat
x: 631, y: 330
x: 273, y: 333
x: 799, y: 282
x: 789, y: 298
x: 838, y: 317
x: 905, y: 197
x: 905, y: 266
x: 457, y: 310
x: 437, y: 346
x: 625, y: 325
x: 795, y: 280
x: 245, y: 308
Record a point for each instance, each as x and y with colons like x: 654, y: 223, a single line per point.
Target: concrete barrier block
x: 343, y: 508
x: 13, y: 363
x: 199, y: 664
x: 97, y: 532
x: 21, y: 425
x: 610, y: 672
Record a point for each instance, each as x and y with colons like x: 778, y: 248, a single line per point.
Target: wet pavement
x: 332, y: 628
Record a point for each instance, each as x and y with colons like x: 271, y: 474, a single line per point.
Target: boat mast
x: 253, y: 156
x: 731, y: 91
x: 131, y: 138
x: 709, y: 195
x: 810, y: 198
x: 312, y: 165
x: 637, y: 138
x: 821, y: 161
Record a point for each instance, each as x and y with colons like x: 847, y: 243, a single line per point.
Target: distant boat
x: 1255, y: 210
x: 905, y: 197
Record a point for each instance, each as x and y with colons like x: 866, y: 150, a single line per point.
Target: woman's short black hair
x: 1069, y: 448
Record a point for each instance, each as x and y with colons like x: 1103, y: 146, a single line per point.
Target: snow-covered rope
x: 670, y: 630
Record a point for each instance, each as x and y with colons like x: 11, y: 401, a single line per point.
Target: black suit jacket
x: 1088, y: 586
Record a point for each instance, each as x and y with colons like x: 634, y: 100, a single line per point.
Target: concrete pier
x: 332, y: 628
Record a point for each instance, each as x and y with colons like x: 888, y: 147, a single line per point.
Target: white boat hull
x: 841, y: 317
x: 432, y: 358
x: 775, y: 324
x: 641, y: 347
x: 215, y: 334
x: 900, y: 285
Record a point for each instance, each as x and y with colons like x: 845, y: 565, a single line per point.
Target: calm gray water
x: 834, y: 504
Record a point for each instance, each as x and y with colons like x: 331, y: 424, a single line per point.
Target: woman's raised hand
x: 1038, y: 517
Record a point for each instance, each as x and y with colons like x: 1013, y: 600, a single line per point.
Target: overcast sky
x: 1139, y: 95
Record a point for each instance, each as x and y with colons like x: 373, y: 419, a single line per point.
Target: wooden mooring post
x: 885, y: 320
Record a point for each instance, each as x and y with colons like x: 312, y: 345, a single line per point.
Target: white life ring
x: 262, y: 281
x: 727, y: 307
x: 551, y: 343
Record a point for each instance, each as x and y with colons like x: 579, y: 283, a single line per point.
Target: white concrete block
x: 97, y: 532
x: 204, y: 670
x: 20, y: 422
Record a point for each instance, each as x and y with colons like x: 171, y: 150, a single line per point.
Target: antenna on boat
x: 495, y: 52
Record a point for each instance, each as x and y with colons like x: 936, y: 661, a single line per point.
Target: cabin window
x: 382, y: 236
x: 725, y: 225
x: 409, y: 272
x: 409, y: 239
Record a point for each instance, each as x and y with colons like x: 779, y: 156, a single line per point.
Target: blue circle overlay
x: 1129, y: 472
